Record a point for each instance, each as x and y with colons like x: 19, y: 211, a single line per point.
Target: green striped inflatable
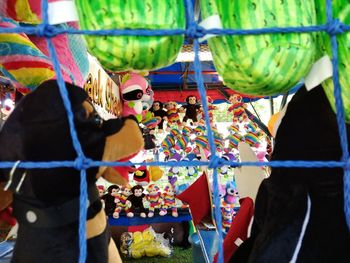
x: 121, y: 53
x: 262, y: 64
x: 341, y: 10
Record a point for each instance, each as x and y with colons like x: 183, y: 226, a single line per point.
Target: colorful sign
x: 103, y: 91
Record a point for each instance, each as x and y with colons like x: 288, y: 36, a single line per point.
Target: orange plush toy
x: 237, y: 108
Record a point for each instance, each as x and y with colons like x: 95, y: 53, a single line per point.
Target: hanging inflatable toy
x: 342, y: 12
x: 122, y: 53
x: 25, y: 59
x: 262, y: 64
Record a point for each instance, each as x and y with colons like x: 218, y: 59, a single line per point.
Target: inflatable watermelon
x: 262, y: 64
x: 121, y: 53
x: 341, y: 10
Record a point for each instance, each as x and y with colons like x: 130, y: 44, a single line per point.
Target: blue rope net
x: 193, y: 31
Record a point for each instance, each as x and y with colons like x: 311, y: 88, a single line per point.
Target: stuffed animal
x: 223, y: 170
x: 108, y: 198
x: 191, y: 171
x: 174, y: 170
x: 141, y: 176
x: 190, y: 109
x: 101, y: 190
x: 227, y: 216
x: 237, y: 108
x: 149, y: 138
x: 169, y: 201
x: 172, y: 114
x: 158, y: 111
x: 231, y: 196
x: 120, y: 201
x: 154, y: 198
x: 46, y: 201
x: 299, y: 212
x: 133, y: 90
x: 135, y: 201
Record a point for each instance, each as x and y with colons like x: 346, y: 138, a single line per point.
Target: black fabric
x: 133, y: 95
x: 308, y: 131
x: 110, y: 204
x: 55, y: 216
x: 159, y: 113
x: 58, y: 245
x: 137, y: 203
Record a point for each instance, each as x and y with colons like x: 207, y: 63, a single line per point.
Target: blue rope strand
x: 192, y: 31
x: 50, y: 31
x: 76, y: 144
x: 333, y: 31
x: 90, y: 163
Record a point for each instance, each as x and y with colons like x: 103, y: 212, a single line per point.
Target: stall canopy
x: 178, y: 81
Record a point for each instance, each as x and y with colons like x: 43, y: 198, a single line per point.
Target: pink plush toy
x: 133, y: 90
x: 231, y: 196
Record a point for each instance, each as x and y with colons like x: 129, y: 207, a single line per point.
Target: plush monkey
x: 135, y: 201
x: 191, y: 109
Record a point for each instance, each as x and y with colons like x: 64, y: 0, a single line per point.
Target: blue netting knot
x: 215, y: 162
x: 335, y: 27
x: 82, y: 163
x: 347, y: 165
x: 45, y: 30
x: 195, y: 31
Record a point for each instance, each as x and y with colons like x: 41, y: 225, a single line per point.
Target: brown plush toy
x: 46, y: 201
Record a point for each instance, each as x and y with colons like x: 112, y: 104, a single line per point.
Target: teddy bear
x: 46, y: 201
x: 135, y: 201
x: 299, y: 212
